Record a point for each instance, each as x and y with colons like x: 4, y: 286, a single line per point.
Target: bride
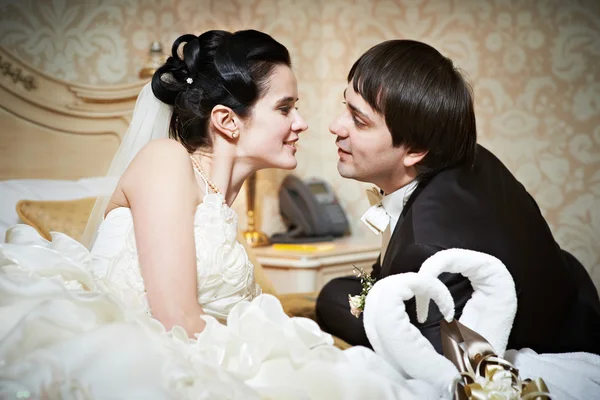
x: 234, y: 112
x: 165, y: 304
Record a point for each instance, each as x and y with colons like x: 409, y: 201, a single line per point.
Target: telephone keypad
x: 335, y: 214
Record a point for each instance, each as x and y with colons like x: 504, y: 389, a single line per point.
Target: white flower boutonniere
x: 357, y: 303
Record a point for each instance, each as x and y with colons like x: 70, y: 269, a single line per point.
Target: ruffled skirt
x: 65, y: 335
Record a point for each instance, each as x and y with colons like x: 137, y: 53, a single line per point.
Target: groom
x: 409, y: 128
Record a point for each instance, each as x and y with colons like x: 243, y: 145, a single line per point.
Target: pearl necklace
x: 198, y: 168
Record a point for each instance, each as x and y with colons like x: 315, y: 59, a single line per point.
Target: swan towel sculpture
x: 488, y: 314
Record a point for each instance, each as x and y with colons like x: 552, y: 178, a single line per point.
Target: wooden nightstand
x: 293, y: 271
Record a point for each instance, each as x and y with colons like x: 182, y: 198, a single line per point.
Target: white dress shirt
x: 394, y: 202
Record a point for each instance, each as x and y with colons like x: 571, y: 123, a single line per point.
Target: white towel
x: 569, y: 376
x: 493, y: 306
x: 398, y: 341
x: 406, y: 388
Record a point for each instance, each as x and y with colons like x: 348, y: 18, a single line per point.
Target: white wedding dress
x: 75, y: 324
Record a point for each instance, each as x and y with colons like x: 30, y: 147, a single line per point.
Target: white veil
x: 150, y: 121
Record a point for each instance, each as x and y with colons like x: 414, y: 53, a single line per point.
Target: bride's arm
x: 161, y: 190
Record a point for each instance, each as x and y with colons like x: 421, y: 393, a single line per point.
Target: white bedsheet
x: 11, y: 191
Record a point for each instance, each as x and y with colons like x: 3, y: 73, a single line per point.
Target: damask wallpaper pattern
x: 534, y: 65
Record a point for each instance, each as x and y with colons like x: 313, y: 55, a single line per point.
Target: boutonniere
x: 357, y: 303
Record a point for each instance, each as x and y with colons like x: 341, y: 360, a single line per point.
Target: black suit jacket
x: 484, y: 208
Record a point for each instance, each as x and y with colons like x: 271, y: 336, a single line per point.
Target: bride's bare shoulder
x: 166, y: 154
x: 163, y: 161
x: 162, y: 147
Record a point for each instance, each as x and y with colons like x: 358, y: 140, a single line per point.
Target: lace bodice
x: 225, y: 275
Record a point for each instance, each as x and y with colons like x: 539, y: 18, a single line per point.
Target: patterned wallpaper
x: 535, y: 66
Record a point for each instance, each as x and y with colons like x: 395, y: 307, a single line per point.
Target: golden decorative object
x: 253, y: 237
x: 155, y: 60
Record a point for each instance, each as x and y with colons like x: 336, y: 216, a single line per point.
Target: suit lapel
x: 397, y: 240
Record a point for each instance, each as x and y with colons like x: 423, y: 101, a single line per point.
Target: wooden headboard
x: 53, y: 129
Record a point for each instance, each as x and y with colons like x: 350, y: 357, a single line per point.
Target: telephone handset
x: 310, y: 210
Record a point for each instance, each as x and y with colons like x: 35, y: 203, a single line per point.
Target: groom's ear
x: 225, y: 121
x: 412, y: 157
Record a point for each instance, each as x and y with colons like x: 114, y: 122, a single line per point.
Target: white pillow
x: 11, y: 191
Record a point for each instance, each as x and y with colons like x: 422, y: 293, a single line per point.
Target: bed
x: 57, y: 138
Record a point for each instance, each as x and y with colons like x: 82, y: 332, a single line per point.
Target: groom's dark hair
x: 426, y: 102
x: 217, y: 67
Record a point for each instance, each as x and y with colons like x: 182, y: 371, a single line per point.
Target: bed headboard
x: 53, y: 129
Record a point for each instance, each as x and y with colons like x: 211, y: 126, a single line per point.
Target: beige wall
x: 535, y: 66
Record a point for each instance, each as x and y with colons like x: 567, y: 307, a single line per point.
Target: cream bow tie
x: 376, y: 218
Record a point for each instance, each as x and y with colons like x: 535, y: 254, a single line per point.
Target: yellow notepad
x: 303, y: 247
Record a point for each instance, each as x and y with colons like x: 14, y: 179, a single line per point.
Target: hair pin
x: 189, y: 81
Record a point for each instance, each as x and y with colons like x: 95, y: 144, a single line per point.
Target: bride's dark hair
x: 217, y: 67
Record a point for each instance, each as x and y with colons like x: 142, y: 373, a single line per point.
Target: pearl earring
x: 234, y: 134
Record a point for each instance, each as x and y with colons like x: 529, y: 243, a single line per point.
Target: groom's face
x: 365, y: 150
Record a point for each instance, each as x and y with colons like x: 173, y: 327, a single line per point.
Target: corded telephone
x: 310, y: 210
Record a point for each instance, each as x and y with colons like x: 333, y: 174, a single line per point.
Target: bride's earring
x: 235, y: 134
